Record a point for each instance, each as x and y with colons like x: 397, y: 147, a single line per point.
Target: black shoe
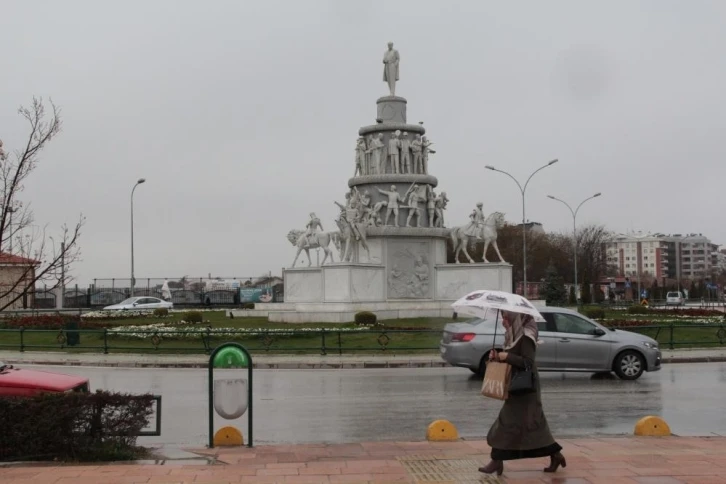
x: 492, y: 467
x: 556, y: 460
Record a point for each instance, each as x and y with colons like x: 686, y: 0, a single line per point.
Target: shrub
x: 593, y: 312
x: 161, y: 312
x: 73, y: 426
x: 365, y: 318
x: 193, y: 317
x: 637, y: 309
x: 248, y: 305
x: 41, y: 321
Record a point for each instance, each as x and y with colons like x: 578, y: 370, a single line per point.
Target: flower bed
x: 184, y: 330
x: 657, y: 322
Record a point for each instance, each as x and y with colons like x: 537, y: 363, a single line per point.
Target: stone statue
x: 393, y: 199
x: 299, y: 239
x: 420, y: 278
x: 391, y: 59
x: 311, y: 228
x: 440, y: 204
x: 474, y: 228
x: 360, y: 157
x: 394, y: 147
x: 430, y: 204
x: 414, y: 199
x: 417, y: 150
x: 368, y: 154
x: 460, y: 237
x: 426, y: 150
x: 375, y: 215
x: 405, y: 153
x: 375, y: 148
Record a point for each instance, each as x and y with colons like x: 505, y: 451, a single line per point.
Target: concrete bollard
x: 652, y: 426
x: 228, y: 437
x: 441, y: 431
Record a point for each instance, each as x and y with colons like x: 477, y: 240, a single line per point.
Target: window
x: 566, y: 323
x: 542, y: 326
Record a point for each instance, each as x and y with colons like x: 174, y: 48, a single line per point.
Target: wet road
x: 298, y: 406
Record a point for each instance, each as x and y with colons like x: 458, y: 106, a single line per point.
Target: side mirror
x: 598, y: 332
x: 135, y: 304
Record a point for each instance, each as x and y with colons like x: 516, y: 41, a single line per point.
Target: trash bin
x: 73, y: 335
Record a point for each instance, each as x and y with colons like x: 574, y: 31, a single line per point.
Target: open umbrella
x: 478, y: 303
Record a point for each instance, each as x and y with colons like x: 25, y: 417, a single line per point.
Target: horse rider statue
x: 311, y: 229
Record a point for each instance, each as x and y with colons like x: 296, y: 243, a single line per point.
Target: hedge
x: 99, y: 426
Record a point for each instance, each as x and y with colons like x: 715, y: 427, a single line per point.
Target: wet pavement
x: 649, y: 460
x: 335, y: 406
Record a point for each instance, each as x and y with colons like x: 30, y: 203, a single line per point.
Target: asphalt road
x: 311, y: 406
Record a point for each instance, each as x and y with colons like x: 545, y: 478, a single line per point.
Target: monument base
x: 334, y: 293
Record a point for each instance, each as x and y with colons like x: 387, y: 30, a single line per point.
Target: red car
x: 17, y: 382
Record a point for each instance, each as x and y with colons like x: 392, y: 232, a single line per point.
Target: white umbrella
x: 477, y: 304
x: 165, y: 291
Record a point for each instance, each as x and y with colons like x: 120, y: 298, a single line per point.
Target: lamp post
x: 133, y: 280
x: 574, y: 234
x: 523, y: 189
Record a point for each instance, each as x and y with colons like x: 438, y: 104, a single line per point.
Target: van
x: 675, y: 298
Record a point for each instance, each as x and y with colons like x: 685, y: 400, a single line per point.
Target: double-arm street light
x: 574, y: 233
x: 523, y: 189
x: 133, y: 281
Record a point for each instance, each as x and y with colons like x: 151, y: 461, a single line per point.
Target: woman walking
x: 521, y: 430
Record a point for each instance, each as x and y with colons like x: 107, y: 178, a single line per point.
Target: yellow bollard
x: 441, y: 431
x: 652, y: 426
x: 228, y: 437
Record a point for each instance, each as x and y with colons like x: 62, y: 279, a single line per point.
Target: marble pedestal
x: 404, y: 276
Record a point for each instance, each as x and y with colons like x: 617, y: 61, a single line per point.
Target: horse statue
x: 348, y: 234
x: 319, y: 240
x: 460, y: 240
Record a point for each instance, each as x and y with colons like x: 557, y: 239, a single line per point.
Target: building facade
x: 663, y: 257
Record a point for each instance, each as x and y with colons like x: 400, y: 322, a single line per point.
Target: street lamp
x: 524, y: 226
x: 574, y: 233
x: 133, y: 281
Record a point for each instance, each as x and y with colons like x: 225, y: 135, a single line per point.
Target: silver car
x: 570, y: 342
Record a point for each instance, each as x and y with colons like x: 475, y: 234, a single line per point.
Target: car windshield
x: 673, y: 294
x: 130, y: 300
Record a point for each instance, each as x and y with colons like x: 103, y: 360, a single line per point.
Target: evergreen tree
x: 554, y: 287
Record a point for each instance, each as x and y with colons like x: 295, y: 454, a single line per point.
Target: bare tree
x: 35, y: 256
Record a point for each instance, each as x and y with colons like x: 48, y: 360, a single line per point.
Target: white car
x: 140, y: 303
x: 675, y: 298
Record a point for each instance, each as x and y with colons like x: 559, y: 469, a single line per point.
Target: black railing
x: 322, y: 341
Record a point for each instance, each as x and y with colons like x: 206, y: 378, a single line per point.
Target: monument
x: 392, y: 235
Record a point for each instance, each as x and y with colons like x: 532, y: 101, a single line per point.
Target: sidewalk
x: 645, y: 460
x: 265, y: 361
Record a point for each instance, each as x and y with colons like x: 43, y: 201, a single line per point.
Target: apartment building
x: 661, y: 256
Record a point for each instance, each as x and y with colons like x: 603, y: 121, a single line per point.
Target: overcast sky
x: 243, y: 116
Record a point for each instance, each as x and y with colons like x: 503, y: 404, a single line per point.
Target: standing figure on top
x: 391, y: 59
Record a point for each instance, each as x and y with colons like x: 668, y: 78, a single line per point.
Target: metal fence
x: 321, y: 341
x: 96, y: 297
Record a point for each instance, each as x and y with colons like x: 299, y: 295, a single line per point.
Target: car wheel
x: 481, y: 371
x: 629, y: 365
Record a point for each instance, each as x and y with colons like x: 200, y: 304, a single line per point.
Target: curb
x: 306, y: 366
x: 260, y: 366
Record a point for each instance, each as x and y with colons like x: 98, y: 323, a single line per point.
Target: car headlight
x: 652, y: 346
